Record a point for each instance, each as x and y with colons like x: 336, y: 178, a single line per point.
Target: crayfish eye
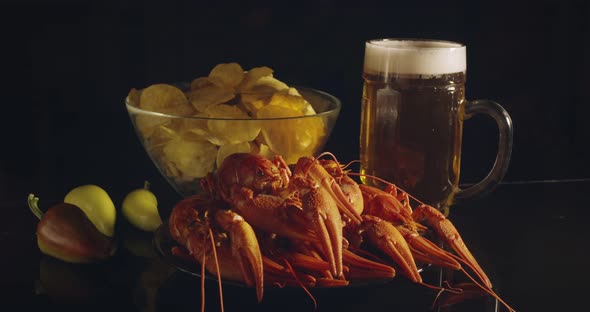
x: 259, y: 173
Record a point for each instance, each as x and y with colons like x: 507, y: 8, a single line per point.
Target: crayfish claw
x: 327, y: 223
x: 245, y: 248
x: 426, y: 251
x: 389, y: 240
x: 444, y: 228
x: 266, y: 212
x: 362, y: 268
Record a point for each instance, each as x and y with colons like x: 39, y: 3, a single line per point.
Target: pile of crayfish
x: 264, y: 223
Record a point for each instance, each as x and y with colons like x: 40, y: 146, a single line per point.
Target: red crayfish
x: 264, y: 223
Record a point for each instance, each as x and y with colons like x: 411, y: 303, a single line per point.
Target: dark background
x: 68, y: 65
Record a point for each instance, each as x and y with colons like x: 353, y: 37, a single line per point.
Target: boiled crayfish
x: 264, y: 223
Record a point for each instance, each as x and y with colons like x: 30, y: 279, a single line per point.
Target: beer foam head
x: 414, y: 57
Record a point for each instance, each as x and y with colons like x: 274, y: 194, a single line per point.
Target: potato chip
x: 147, y: 124
x: 292, y: 138
x: 200, y: 82
x: 133, y: 97
x: 256, y: 105
x: 260, y: 138
x: 228, y: 149
x: 193, y: 159
x: 164, y: 98
x: 192, y: 128
x: 308, y: 110
x: 227, y: 75
x: 283, y: 98
x: 169, y: 168
x: 204, y: 97
x: 231, y: 131
x: 226, y: 111
x: 280, y: 110
x: 293, y: 91
x: 252, y: 101
x: 270, y: 81
x: 265, y: 151
x: 252, y: 76
x: 162, y: 135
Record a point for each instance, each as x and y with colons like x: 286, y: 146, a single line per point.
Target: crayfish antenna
x: 203, y: 257
x: 217, y: 269
x: 350, y: 163
x: 456, y: 292
x: 315, y: 303
x: 208, y: 185
x: 449, y: 233
x: 329, y: 154
x: 488, y: 290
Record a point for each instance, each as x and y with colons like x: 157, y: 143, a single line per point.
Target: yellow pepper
x: 97, y: 205
x: 140, y: 207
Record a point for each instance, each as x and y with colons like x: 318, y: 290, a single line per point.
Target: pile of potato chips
x: 231, y: 110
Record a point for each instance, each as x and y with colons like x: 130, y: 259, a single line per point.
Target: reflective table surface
x: 530, y: 237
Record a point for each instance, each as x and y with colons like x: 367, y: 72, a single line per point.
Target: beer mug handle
x: 498, y: 171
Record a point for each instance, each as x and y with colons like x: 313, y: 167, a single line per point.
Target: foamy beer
x: 413, y: 107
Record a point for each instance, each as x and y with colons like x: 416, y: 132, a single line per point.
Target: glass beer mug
x: 413, y: 107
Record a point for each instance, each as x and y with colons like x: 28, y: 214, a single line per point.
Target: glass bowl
x: 186, y: 148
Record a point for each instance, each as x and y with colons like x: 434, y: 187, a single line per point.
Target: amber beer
x: 412, y: 116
